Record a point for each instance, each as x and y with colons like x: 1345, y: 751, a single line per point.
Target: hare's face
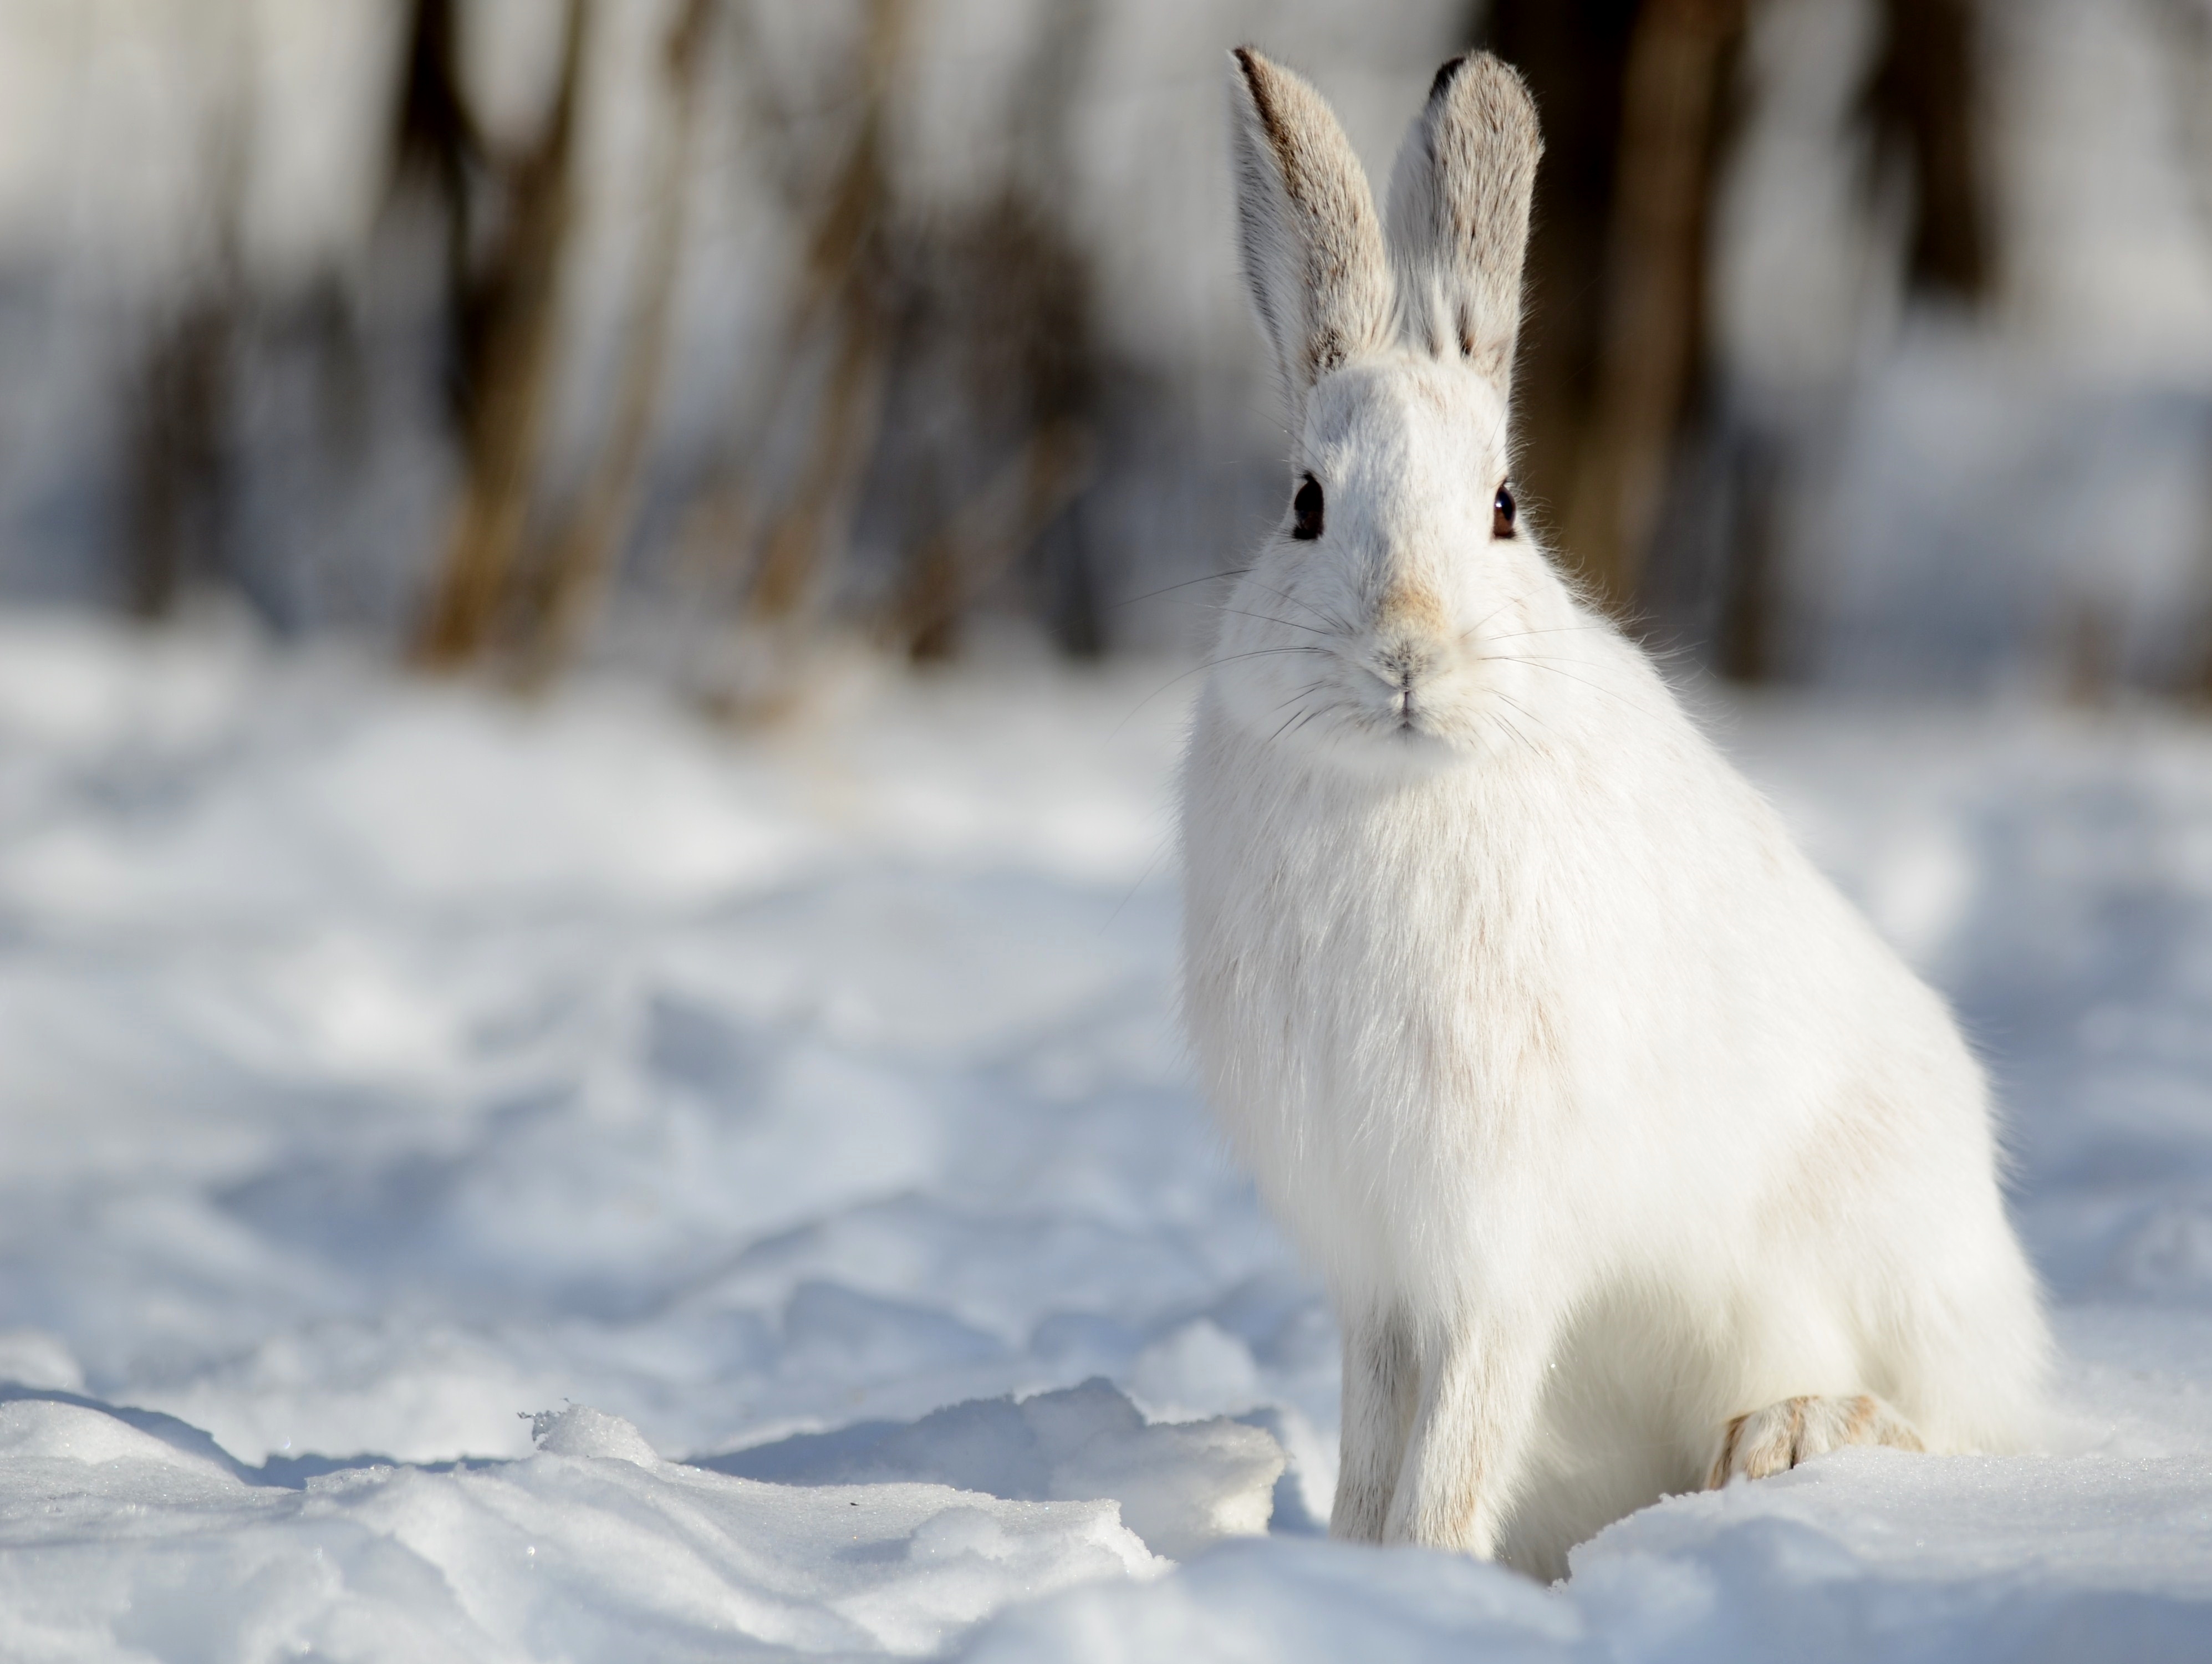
x: 1374, y: 628
x: 1380, y: 625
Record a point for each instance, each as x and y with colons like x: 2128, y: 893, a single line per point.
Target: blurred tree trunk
x: 175, y: 485
x: 1633, y: 98
x: 1574, y: 55
x: 2187, y: 28
x: 1924, y: 103
x: 1615, y: 388
x: 508, y: 313
x: 436, y: 146
x: 577, y: 567
x: 1653, y: 348
x: 1922, y: 106
x: 182, y: 397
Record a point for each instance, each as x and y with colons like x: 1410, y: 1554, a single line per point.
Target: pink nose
x: 1409, y: 622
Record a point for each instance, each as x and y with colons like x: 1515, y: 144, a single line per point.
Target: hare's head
x: 1370, y: 625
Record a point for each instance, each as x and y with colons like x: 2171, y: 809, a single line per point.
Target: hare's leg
x: 1382, y: 1390
x: 1797, y: 1430
x: 1480, y: 1387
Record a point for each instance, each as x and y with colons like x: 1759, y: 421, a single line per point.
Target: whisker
x: 1307, y: 692
x: 1268, y: 618
x: 1159, y: 850
x: 1556, y: 630
x: 1507, y: 726
x: 1535, y: 663
x: 1197, y: 669
x: 1310, y: 689
x: 1170, y: 589
x: 1468, y: 633
x: 1526, y: 712
x: 1336, y: 624
x: 1539, y: 658
x: 1262, y: 652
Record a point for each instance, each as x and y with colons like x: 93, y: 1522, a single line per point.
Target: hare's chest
x: 1354, y: 1009
x: 1354, y: 967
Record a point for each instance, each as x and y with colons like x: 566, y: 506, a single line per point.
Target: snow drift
x: 568, y: 1183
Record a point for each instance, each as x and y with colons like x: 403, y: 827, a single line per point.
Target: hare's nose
x: 1408, y: 623
x: 1409, y: 611
x: 1402, y: 665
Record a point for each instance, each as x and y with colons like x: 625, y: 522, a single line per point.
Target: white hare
x: 1632, y: 1159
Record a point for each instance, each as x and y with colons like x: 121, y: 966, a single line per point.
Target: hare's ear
x: 1459, y: 214
x: 1312, y: 245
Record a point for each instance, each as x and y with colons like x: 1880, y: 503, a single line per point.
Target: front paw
x: 1778, y: 1437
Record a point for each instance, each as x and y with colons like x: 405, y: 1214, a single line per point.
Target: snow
x: 593, y: 1546
x: 482, y: 1180
x: 1182, y: 1487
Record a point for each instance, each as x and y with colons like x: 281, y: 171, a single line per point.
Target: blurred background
x: 1870, y: 341
x: 495, y: 913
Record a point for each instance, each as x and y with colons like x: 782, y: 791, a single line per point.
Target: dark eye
x: 1307, y: 507
x: 1501, y: 514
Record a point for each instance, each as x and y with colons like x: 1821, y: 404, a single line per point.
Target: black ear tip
x: 1450, y: 68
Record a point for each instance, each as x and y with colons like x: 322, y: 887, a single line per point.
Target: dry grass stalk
x: 846, y: 282
x: 988, y: 533
x: 577, y: 567
x: 931, y: 359
x: 768, y: 546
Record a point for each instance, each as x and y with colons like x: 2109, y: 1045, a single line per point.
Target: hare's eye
x: 1501, y: 514
x: 1307, y: 507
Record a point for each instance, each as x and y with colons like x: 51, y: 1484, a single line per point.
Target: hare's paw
x: 1797, y: 1430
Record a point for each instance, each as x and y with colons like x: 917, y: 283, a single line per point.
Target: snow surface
x: 566, y: 1182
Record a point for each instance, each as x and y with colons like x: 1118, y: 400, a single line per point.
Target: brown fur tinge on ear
x: 1312, y: 244
x: 1458, y: 213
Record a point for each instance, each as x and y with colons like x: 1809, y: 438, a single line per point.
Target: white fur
x: 1604, y: 1117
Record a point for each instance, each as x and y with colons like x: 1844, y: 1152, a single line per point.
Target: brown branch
x: 509, y: 328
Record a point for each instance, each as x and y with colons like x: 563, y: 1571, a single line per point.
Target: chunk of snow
x: 1181, y: 1486
x: 581, y: 1430
x: 593, y: 1548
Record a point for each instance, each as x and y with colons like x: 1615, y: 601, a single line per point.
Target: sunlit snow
x: 489, y: 1180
